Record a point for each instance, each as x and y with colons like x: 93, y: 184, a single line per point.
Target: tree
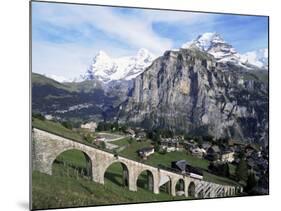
x: 38, y: 116
x: 88, y: 138
x: 221, y: 169
x: 154, y: 136
x: 208, y: 138
x: 187, y: 137
x: 67, y: 125
x: 198, y: 140
x: 103, y: 145
x: 156, y: 147
x: 242, y: 171
x: 225, y: 170
x: 251, y: 182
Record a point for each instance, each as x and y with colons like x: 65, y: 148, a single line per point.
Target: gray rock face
x: 188, y: 91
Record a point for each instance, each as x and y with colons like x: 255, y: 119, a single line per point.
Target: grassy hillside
x: 84, y: 86
x: 41, y: 80
x: 56, y: 128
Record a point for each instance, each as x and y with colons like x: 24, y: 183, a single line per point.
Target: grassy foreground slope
x: 68, y: 188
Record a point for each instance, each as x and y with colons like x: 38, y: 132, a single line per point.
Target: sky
x: 66, y: 37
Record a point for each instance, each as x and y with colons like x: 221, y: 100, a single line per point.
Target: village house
x: 131, y: 132
x: 140, y: 136
x: 145, y: 152
x: 90, y: 126
x: 170, y: 145
x: 227, y: 156
x: 198, y: 152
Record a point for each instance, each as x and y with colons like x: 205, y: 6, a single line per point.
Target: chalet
x: 145, y: 152
x: 131, y: 132
x: 227, y: 156
x: 198, y: 152
x: 91, y: 126
x: 140, y: 136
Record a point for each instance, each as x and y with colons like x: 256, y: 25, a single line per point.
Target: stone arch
x: 150, y: 179
x: 222, y: 193
x: 233, y: 191
x: 191, y: 189
x: 180, y: 186
x: 125, y: 172
x: 165, y: 186
x: 201, y: 194
x: 89, y: 162
x: 226, y: 191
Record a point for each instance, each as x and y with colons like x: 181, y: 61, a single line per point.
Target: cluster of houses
x: 138, y: 133
x: 206, y: 150
x: 171, y: 144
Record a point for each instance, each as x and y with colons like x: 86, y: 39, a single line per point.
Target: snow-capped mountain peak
x: 214, y: 44
x: 205, y: 41
x: 106, y: 68
x: 101, y: 55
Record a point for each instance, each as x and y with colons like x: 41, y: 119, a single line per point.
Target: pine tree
x: 242, y: 171
x: 251, y: 182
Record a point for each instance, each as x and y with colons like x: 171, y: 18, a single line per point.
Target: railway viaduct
x: 47, y: 146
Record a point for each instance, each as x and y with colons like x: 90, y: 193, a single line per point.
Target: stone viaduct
x: 47, y: 146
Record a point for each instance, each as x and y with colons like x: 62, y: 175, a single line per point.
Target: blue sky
x: 66, y: 37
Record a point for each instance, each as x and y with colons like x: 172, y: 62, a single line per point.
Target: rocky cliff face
x: 190, y: 91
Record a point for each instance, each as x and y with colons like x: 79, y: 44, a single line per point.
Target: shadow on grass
x: 114, y: 178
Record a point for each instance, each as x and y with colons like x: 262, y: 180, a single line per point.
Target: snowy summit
x: 106, y: 69
x: 215, y: 45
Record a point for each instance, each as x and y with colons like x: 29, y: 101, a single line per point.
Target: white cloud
x: 185, y: 18
x: 71, y: 59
